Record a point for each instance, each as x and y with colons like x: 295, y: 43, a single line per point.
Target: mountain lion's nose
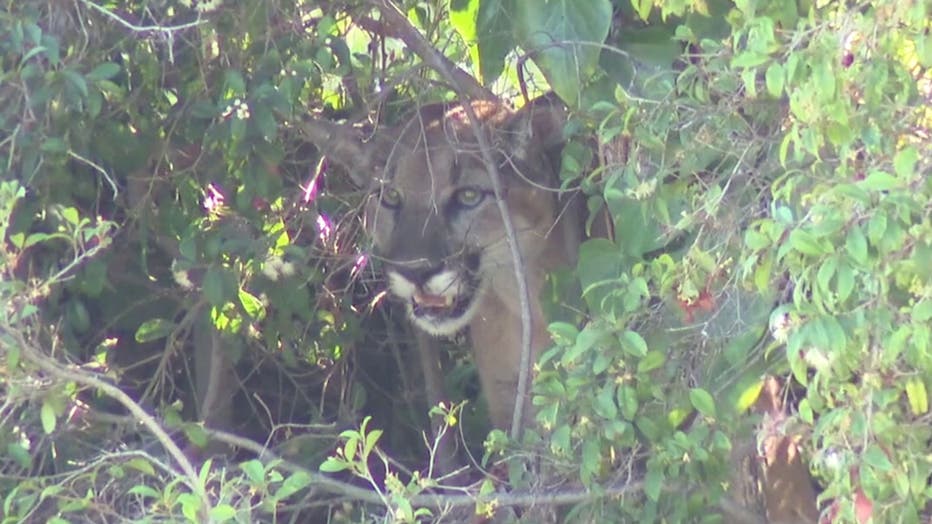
x: 418, y: 272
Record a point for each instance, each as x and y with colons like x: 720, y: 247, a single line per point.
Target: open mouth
x: 444, y: 301
x: 439, y: 307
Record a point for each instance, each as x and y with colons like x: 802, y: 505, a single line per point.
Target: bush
x: 193, y: 331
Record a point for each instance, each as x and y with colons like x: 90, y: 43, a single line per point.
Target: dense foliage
x: 192, y: 330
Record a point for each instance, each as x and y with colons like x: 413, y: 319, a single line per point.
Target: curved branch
x: 91, y: 380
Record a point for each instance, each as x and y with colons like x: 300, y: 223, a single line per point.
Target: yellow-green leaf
x: 48, y: 418
x: 917, y: 396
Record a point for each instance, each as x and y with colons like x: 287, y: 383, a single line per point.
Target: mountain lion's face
x: 434, y: 216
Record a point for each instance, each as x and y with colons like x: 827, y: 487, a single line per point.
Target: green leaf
x: 372, y: 438
x: 196, y: 434
x: 826, y: 272
x: 591, y: 458
x: 145, y: 491
x: 876, y: 458
x: 876, y: 228
x: 76, y: 80
x: 651, y: 361
x: 254, y: 470
x: 628, y: 401
x: 142, y: 465
x: 749, y: 59
x: 922, y: 311
x: 234, y: 84
x: 190, y: 506
x: 805, y: 411
x: 755, y: 241
x: 643, y: 8
x: 213, y: 287
x: 48, y: 418
x: 334, y: 465
x: 805, y: 243
x: 154, y: 329
x: 464, y: 17
x: 605, y: 402
x: 71, y: 215
x: 17, y: 239
x: 222, y: 512
x: 104, y: 71
x: 293, y: 484
x: 702, y: 401
x: 590, y: 336
x: 904, y: 163
x: 880, y: 181
x: 35, y: 51
x: 265, y: 122
x: 856, y: 246
x: 564, y: 37
x: 563, y: 333
x: 749, y: 395
x: 917, y: 396
x: 774, y: 80
x: 54, y: 144
x: 844, y: 282
x: 653, y: 483
x: 633, y: 343
x: 560, y: 439
x: 601, y: 362
x: 253, y: 306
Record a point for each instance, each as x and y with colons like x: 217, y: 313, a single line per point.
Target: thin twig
x: 166, y: 29
x: 102, y: 171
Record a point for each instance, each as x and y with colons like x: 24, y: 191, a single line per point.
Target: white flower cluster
x: 275, y: 266
x: 240, y: 108
x: 202, y: 6
x: 183, y: 279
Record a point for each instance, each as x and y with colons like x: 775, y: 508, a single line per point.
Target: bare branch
x: 399, y: 26
x: 165, y: 29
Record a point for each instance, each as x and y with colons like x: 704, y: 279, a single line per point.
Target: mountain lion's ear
x: 537, y: 127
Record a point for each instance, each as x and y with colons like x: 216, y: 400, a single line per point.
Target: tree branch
x: 88, y: 379
x: 436, y: 500
x: 399, y: 26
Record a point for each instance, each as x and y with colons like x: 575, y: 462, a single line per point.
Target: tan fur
x: 441, y: 251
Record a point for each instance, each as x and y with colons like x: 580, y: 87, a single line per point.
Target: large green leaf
x: 643, y: 61
x: 564, y: 37
x: 486, y: 26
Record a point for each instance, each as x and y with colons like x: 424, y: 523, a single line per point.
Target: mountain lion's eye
x: 390, y: 198
x: 468, y: 197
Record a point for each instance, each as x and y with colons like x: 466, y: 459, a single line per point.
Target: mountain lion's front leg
x: 496, y: 341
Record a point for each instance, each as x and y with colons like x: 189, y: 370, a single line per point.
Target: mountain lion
x: 436, y: 224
